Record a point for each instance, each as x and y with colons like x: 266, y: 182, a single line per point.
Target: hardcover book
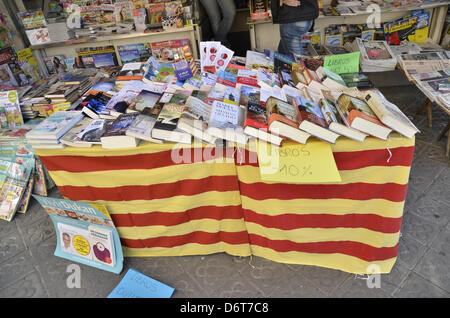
x: 336, y: 122
x: 256, y: 124
x: 360, y: 116
x: 311, y: 120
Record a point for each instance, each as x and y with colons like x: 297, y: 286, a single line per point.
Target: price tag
x: 297, y: 163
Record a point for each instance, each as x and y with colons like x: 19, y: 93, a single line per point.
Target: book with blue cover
x: 56, y: 125
x: 85, y: 233
x: 137, y: 285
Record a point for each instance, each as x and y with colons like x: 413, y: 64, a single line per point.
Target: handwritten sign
x: 297, y: 163
x: 136, y: 285
x: 342, y: 63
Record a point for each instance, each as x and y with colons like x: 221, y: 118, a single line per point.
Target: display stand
x: 264, y: 34
x: 69, y: 48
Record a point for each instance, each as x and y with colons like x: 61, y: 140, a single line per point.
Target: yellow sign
x: 297, y: 163
x: 81, y: 245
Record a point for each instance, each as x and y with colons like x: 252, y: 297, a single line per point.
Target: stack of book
x: 46, y: 135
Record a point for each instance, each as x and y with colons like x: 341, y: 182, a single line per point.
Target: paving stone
x: 15, y: 268
x: 416, y: 286
x: 11, y: 244
x: 359, y: 287
x: 419, y: 228
x: 432, y: 209
x: 409, y: 251
x: 38, y: 231
x: 434, y: 266
x: 325, y: 279
x: 29, y: 286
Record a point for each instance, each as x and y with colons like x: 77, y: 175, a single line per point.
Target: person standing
x: 221, y: 16
x: 295, y: 17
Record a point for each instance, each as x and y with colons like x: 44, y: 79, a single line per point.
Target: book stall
x: 296, y: 159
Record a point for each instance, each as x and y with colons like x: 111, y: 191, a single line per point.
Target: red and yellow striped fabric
x: 347, y: 226
x: 160, y: 207
x: 201, y: 200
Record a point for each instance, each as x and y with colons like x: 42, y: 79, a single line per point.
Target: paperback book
x: 85, y: 233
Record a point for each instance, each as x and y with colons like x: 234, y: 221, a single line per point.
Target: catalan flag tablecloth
x: 347, y: 226
x: 199, y: 200
x: 163, y: 201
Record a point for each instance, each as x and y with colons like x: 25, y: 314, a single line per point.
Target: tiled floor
x: 29, y: 269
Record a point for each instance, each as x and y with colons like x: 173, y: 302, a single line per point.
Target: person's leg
x: 212, y: 9
x: 291, y: 35
x: 228, y: 12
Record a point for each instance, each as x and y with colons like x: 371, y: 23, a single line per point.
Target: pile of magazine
x: 376, y: 56
x: 21, y: 173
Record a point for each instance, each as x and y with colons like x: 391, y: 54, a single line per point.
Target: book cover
x: 143, y: 125
x: 120, y: 125
x: 309, y: 111
x: 56, y: 125
x: 85, y: 233
x: 169, y: 116
x: 131, y: 71
x: 93, y: 131
x: 145, y: 99
x: 278, y: 110
x: 10, y: 114
x: 182, y: 70
x: 166, y: 74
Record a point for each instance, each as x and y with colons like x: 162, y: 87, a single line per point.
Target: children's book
x: 85, y: 233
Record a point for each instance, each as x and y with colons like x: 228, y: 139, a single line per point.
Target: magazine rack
x: 198, y: 200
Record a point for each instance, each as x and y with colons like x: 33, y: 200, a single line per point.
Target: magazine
x: 85, y: 233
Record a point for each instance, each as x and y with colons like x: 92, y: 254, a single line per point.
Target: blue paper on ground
x: 137, y: 285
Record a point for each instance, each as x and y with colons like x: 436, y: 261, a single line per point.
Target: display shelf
x: 264, y: 34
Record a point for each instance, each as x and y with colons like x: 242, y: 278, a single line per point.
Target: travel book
x: 85, y: 233
x: 166, y: 125
x: 115, y: 133
x: 143, y: 125
x: 360, y: 116
x: 282, y: 120
x: 55, y: 126
x: 226, y: 122
x: 194, y: 118
x: 390, y: 114
x: 311, y: 120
